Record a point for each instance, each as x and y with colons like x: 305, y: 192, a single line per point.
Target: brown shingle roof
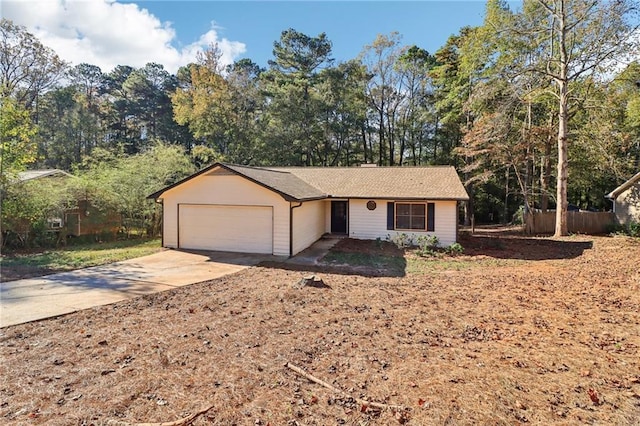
x: 434, y: 182
x: 281, y: 181
x: 308, y: 183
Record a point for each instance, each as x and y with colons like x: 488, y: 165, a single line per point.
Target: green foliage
x: 401, y: 240
x: 122, y: 183
x: 295, y: 119
x: 632, y: 229
x: 455, y: 248
x: 427, y: 245
x: 29, y: 205
x: 219, y: 111
x: 17, y: 145
x: 108, y: 183
x: 518, y: 217
x: 77, y: 256
x: 393, y: 264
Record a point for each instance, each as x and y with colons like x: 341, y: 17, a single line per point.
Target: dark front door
x: 338, y: 217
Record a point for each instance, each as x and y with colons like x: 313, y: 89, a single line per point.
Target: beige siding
x: 226, y: 190
x: 308, y: 224
x: 371, y: 224
x: 327, y: 216
x: 627, y: 205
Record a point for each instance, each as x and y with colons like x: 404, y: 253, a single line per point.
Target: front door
x: 339, y: 217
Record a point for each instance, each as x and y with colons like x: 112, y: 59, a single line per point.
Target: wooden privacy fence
x: 577, y: 222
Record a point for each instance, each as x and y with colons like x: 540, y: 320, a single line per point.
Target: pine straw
x: 542, y: 341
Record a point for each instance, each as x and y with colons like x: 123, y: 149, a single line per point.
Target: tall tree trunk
x: 563, y: 118
x: 364, y: 144
x: 545, y: 168
x: 469, y: 210
x: 561, y: 195
x: 381, y: 140
x: 505, y: 215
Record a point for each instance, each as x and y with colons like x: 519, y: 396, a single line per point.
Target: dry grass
x: 538, y: 331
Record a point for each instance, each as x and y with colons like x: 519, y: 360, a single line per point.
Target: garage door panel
x: 247, y: 229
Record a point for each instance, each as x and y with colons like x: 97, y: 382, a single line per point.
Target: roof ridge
x: 254, y: 168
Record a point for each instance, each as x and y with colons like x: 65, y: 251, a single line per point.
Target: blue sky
x: 108, y: 33
x: 349, y: 25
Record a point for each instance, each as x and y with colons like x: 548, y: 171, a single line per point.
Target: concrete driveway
x: 52, y: 295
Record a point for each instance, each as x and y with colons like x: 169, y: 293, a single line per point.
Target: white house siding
x: 226, y: 190
x: 627, y: 205
x: 308, y: 224
x: 371, y: 224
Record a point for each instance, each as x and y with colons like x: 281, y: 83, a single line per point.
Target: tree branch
x: 334, y: 389
x: 186, y: 421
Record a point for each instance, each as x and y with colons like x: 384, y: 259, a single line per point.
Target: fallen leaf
x: 421, y: 402
x: 363, y: 408
x: 593, y: 394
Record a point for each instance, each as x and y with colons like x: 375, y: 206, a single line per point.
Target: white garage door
x: 246, y: 229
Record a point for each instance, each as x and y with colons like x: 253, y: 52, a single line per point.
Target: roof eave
x: 397, y: 197
x: 614, y: 194
x: 287, y: 197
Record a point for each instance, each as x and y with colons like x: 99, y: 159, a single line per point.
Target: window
x: 411, y: 216
x: 54, y: 223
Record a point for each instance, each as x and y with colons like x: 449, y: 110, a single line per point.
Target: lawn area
x: 17, y: 266
x: 514, y: 331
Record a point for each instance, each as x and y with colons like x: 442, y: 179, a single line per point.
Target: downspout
x: 161, y: 202
x: 291, y: 207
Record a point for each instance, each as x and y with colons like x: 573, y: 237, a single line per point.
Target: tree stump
x: 311, y: 281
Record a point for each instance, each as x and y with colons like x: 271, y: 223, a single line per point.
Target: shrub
x: 427, y: 245
x: 632, y: 229
x: 379, y: 242
x: 614, y: 228
x: 518, y: 217
x: 401, y: 240
x: 455, y: 248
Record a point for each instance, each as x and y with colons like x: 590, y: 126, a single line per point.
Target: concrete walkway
x: 313, y: 254
x: 52, y: 295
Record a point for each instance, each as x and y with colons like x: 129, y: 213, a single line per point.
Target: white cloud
x: 107, y: 33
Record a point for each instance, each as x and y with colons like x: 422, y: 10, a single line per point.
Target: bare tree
x: 27, y: 68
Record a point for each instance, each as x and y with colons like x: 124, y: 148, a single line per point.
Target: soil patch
x: 532, y: 337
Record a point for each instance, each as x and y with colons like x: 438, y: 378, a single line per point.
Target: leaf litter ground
x: 517, y: 330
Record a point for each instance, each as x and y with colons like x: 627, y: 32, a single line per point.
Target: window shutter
x: 431, y: 217
x: 390, y: 216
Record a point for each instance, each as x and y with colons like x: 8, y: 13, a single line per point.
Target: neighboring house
x: 626, y: 201
x: 57, y: 221
x: 283, y: 210
x: 85, y: 219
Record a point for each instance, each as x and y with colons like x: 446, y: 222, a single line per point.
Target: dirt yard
x: 515, y: 331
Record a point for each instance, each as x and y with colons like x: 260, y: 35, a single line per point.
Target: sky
x: 109, y: 33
